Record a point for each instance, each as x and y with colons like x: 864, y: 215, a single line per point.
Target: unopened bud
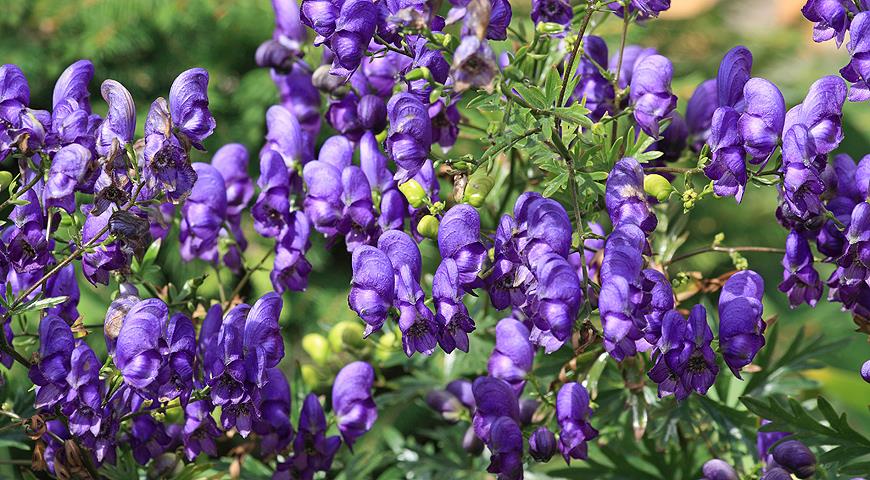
x: 414, y: 193
x: 5, y: 180
x: 317, y: 347
x: 477, y: 189
x: 418, y: 74
x: 428, y: 227
x: 657, y: 186
x: 346, y: 334
x: 325, y: 81
x: 550, y: 28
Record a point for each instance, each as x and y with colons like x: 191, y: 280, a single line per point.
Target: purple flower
x: 433, y: 60
x: 291, y: 268
x: 68, y: 169
x: 71, y: 117
x: 865, y: 371
x: 137, y: 350
x: 416, y: 320
x: 727, y: 168
x: 459, y: 240
x: 699, y: 113
x: 593, y: 87
x: 553, y: 11
x: 572, y: 413
x: 625, y: 198
x: 53, y: 365
x: 352, y: 402
x: 372, y: 286
x: 734, y: 72
x: 494, y: 399
x: 651, y: 92
x: 632, y: 55
x: 117, y: 128
x: 800, y: 280
x: 262, y: 346
x: 342, y: 115
x: 27, y: 249
x: 765, y: 440
x: 127, y: 297
x: 354, y: 29
x: 313, y: 451
x: 506, y: 445
x: 301, y: 98
x: 474, y: 64
x: 647, y: 8
x: 741, y: 328
x: 547, y: 229
x: 410, y: 135
x: 821, y: 113
x: 274, y: 402
x: 287, y: 37
x: 102, y: 259
x: 512, y: 357
x: 831, y: 18
x: 231, y: 161
x: 64, y: 284
x: 203, y: 215
x: 372, y: 113
x: 200, y: 430
x: 358, y: 222
x: 167, y: 164
x: 271, y: 210
x: 716, y: 469
x: 557, y: 297
x: 802, y: 184
x: 285, y: 136
x: 858, y: 69
x: 761, y: 123
x: 450, y: 313
x: 684, y: 360
x: 542, y: 444
x: 445, y: 122
x: 188, y: 103
x: 794, y: 456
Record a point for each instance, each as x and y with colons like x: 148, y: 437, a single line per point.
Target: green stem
x: 569, y: 70
x: 728, y: 250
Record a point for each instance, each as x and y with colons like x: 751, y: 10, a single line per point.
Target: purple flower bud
x: 625, y: 197
x: 463, y: 390
x: 800, y: 280
x: 542, y: 444
x: 372, y: 113
x: 865, y: 371
x: 795, y: 457
x: 188, y: 103
x: 734, y: 72
x: 512, y: 357
x: 558, y: 295
x: 410, y: 135
x: 371, y: 291
x: 651, y: 92
x: 631, y: 56
x: 53, y: 365
x: 471, y: 443
x: 68, y: 169
x: 231, y: 161
x: 459, y: 239
x: 528, y: 407
x: 741, y: 327
x: 445, y: 403
x: 494, y: 399
x: 699, y: 113
x: 765, y: 440
x: 291, y: 268
x: 120, y: 121
x: 506, y: 445
x: 323, y: 202
x: 716, y: 469
x: 593, y: 89
x: 776, y: 473
x: 203, y: 215
x: 760, y: 125
x: 572, y: 413
x: 821, y: 113
x: 352, y: 402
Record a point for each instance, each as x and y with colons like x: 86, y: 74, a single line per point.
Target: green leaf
x: 532, y: 95
x: 42, y: 304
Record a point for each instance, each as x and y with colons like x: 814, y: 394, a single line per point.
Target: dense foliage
x: 537, y: 308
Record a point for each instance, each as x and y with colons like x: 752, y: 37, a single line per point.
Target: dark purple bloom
x: 358, y: 222
x: 343, y: 116
x: 761, y: 123
x: 53, y: 364
x: 313, y: 451
x: 494, y: 399
x: 274, y: 402
x: 821, y: 113
x: 352, y: 402
x: 416, y: 320
x: 831, y: 18
x: 445, y: 123
x: 83, y: 401
x: 800, y: 280
x: 506, y: 445
x: 716, y: 469
x: 776, y: 473
x: 68, y: 169
x: 97, y: 263
x: 372, y: 113
x: 354, y: 29
x: 593, y: 89
x: 684, y: 360
x: 231, y: 161
x: 450, y: 313
x: 200, y: 430
x: 372, y: 286
x: 651, y: 92
x: 137, y: 349
x: 625, y: 198
x: 673, y: 140
x: 741, y: 328
x: 572, y: 413
x: 271, y: 210
x: 117, y: 128
x: 794, y: 456
x: 301, y: 98
x: 474, y: 64
x: 553, y: 11
x: 528, y: 407
x: 727, y: 168
x: 547, y: 229
x: 512, y: 357
x: 291, y: 268
x: 699, y: 113
x: 167, y: 163
x: 445, y: 403
x: 410, y: 135
x: 647, y: 8
x: 71, y: 117
x: 542, y: 444
x: 188, y: 104
x: 802, y: 184
x: 27, y: 249
x: 203, y: 215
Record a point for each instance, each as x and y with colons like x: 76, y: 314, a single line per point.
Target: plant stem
x: 244, y: 280
x: 728, y: 250
x: 676, y: 170
x: 36, y: 178
x: 569, y: 70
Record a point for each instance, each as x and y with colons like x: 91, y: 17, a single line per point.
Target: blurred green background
x: 144, y: 44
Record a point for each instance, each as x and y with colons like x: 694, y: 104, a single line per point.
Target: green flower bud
x: 428, y: 227
x: 418, y: 73
x: 346, y: 334
x: 477, y: 189
x: 310, y: 376
x: 550, y: 28
x: 386, y: 345
x: 446, y: 40
x: 657, y: 186
x: 414, y: 193
x: 513, y: 73
x: 317, y: 347
x: 5, y: 180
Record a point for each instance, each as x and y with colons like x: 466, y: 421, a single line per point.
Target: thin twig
x: 728, y: 250
x: 569, y: 70
x: 244, y: 280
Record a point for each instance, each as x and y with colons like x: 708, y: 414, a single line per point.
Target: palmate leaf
x: 849, y: 445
